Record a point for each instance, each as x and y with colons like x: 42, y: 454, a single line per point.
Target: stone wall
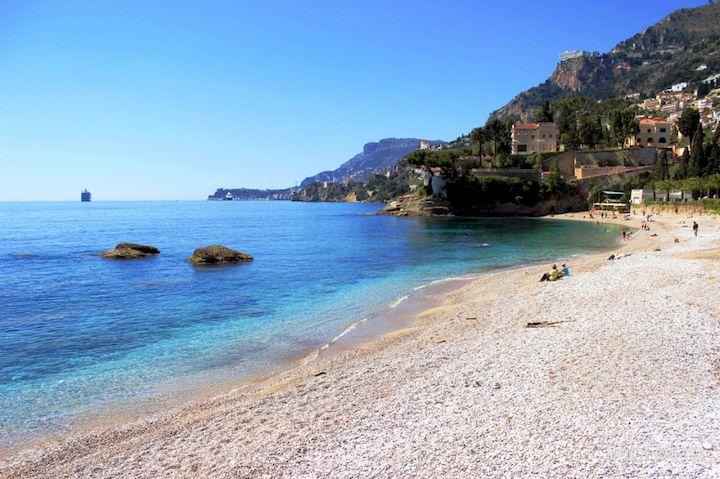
x: 586, y: 172
x: 569, y: 161
x: 522, y: 173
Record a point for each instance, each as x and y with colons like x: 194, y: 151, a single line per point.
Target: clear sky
x: 169, y: 99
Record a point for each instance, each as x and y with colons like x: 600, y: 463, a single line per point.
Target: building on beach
x: 85, y: 196
x: 643, y: 195
x: 530, y: 138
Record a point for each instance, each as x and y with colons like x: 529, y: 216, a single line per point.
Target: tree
x: 681, y: 169
x: 589, y: 130
x: 713, y: 159
x: 652, y: 185
x: 544, y: 113
x: 498, y: 132
x: 703, y: 89
x: 666, y: 186
x: 711, y: 183
x: 688, y: 122
x: 693, y: 185
x: 477, y: 136
x: 660, y: 171
x: 696, y: 165
x: 623, y: 125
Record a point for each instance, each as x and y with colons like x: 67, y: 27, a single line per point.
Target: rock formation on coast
x: 218, y: 254
x: 130, y: 251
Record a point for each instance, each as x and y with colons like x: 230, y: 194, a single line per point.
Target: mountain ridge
x: 376, y: 156
x: 662, y: 54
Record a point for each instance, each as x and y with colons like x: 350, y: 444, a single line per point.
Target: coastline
x: 91, y: 453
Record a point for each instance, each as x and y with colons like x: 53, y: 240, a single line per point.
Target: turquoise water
x: 78, y: 331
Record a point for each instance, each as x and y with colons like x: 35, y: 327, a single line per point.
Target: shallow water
x: 78, y: 331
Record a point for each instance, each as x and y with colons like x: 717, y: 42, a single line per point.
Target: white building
x: 713, y: 78
x: 679, y: 86
x: 704, y: 103
x: 570, y: 54
x: 638, y: 197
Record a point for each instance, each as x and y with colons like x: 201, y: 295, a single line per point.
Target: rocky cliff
x: 666, y: 53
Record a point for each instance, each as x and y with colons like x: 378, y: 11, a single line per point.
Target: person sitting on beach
x: 554, y: 273
x: 565, y: 270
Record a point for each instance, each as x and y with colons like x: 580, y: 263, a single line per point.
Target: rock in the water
x: 130, y: 251
x: 217, y: 254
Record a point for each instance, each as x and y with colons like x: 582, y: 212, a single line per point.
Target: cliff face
x: 576, y: 74
x: 665, y: 53
x: 375, y: 157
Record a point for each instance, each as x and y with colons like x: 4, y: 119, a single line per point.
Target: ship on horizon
x: 85, y: 196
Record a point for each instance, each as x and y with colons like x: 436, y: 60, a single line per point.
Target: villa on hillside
x: 653, y: 133
x: 534, y: 137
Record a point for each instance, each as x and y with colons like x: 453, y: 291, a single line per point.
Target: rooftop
x: 531, y: 126
x: 652, y: 121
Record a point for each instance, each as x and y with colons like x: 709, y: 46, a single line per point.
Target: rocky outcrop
x: 218, y: 254
x: 576, y: 74
x: 130, y: 251
x: 414, y: 205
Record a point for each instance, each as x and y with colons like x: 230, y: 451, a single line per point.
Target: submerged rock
x: 218, y: 254
x: 130, y: 251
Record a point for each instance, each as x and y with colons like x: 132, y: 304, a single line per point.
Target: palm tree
x: 666, y: 186
x: 692, y: 185
x: 712, y: 182
x: 478, y: 136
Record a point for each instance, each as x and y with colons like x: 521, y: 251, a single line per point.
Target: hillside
x: 375, y: 157
x: 666, y: 53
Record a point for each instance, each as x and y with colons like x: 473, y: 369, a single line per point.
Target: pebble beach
x: 611, y: 372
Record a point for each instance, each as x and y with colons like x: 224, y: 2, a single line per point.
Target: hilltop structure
x: 570, y: 54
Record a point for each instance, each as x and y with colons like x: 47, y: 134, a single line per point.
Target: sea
x: 81, y: 335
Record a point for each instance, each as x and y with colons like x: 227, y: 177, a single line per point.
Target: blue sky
x: 172, y: 99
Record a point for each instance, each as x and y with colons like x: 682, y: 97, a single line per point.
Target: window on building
x: 662, y: 139
x: 649, y: 140
x: 532, y: 136
x: 543, y: 135
x: 663, y: 130
x: 522, y: 148
x: 649, y: 130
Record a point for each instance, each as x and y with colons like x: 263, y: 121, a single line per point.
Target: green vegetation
x: 688, y: 122
x: 466, y: 189
x: 378, y: 188
x: 702, y: 158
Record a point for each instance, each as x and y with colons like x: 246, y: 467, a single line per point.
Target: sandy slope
x: 627, y: 382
